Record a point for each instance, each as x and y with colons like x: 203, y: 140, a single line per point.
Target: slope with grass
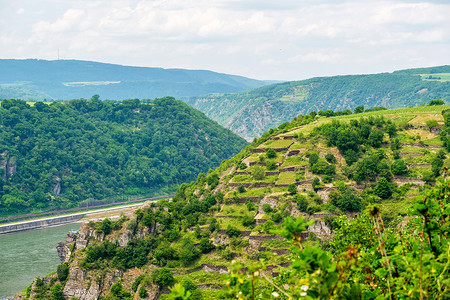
x: 209, y: 240
x: 250, y: 113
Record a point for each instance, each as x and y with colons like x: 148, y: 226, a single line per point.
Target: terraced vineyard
x: 230, y: 218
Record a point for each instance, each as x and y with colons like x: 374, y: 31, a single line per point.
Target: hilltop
x: 232, y: 232
x: 250, y: 113
x: 38, y: 80
x: 76, y: 153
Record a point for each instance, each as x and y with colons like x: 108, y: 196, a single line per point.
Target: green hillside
x: 32, y: 79
x: 61, y: 155
x: 318, y: 208
x: 253, y: 112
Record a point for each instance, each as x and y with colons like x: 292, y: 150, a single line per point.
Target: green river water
x: 27, y: 254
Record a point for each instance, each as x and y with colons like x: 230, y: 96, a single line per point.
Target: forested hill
x: 60, y: 154
x: 33, y: 79
x: 251, y: 113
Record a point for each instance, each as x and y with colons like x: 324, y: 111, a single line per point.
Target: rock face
x: 64, y: 248
x: 320, y: 229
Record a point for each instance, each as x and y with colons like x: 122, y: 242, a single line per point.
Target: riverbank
x: 62, y: 220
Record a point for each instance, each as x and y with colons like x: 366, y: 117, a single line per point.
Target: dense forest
x: 250, y: 113
x: 60, y: 154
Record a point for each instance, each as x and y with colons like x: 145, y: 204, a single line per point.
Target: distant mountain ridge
x: 33, y: 79
x: 250, y: 113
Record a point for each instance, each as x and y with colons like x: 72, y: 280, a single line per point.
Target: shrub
x: 436, y: 102
x: 292, y: 189
x: 241, y: 189
x: 383, y: 190
x: 137, y: 282
x: 399, y: 167
x: 206, y: 246
x: 62, y: 271
x: 143, y: 292
x: 242, y: 166
x: 330, y: 158
x: 302, y: 203
x: 248, y: 221
x: 276, y: 217
x: 163, y: 277
x: 271, y: 153
x: 271, y: 165
x: 232, y: 231
x: 267, y: 208
x: 258, y: 173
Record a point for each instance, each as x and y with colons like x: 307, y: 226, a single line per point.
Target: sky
x: 261, y: 39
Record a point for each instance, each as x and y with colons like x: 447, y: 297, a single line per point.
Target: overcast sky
x: 262, y: 39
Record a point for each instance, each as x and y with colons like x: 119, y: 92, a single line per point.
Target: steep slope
x: 72, y: 79
x: 251, y: 113
x: 210, y: 238
x: 61, y: 154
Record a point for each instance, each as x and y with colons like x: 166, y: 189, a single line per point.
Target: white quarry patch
x: 84, y: 83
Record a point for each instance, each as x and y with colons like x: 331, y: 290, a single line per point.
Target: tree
x: 382, y: 189
x: 163, y: 277
x: 302, y: 203
x: 258, y: 173
x: 432, y: 124
x: 271, y: 153
x: 62, y: 271
x: 271, y: 165
x: 241, y: 189
x: 206, y: 246
x: 359, y: 109
x: 316, y: 184
x: 292, y: 189
x: 375, y: 138
x: 436, y: 102
x: 330, y: 158
x: 399, y: 167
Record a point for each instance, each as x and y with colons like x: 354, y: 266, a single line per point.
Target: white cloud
x: 286, y: 39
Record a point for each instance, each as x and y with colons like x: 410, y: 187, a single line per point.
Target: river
x: 27, y: 254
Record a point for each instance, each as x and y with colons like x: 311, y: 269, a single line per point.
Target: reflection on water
x: 24, y: 255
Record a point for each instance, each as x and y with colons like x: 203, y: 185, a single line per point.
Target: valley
x: 314, y: 187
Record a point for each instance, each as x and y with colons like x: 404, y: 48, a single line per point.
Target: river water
x: 25, y: 255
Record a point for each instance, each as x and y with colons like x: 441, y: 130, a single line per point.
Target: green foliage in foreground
x: 60, y: 154
x: 365, y: 260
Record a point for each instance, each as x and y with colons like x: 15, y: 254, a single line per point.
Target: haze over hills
x: 250, y: 113
x: 35, y: 80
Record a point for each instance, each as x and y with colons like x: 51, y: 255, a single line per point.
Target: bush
x: 383, y: 190
x: 292, y: 189
x: 302, y: 203
x: 62, y: 271
x: 232, y: 231
x: 399, y: 167
x: 143, y: 292
x: 271, y: 153
x: 241, y: 189
x: 267, y: 208
x: 163, y: 277
x: 271, y: 165
x: 276, y: 217
x: 330, y: 158
x: 242, y: 166
x: 137, y: 282
x: 206, y: 246
x: 436, y: 102
x: 258, y: 173
x: 188, y: 253
x: 248, y: 221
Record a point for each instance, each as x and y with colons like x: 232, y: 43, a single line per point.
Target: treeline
x: 59, y: 154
